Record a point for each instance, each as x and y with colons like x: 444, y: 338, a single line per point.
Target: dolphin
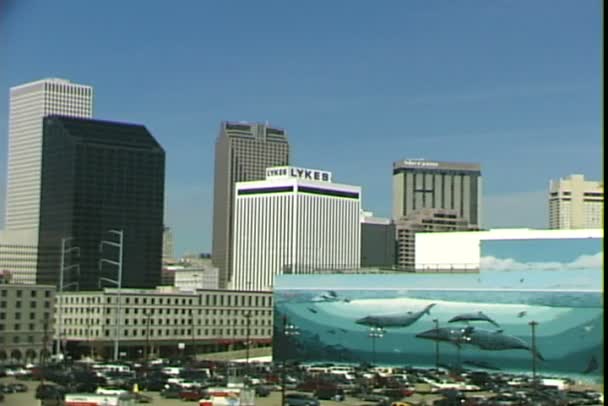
x: 592, y: 365
x: 467, y: 317
x: 329, y: 296
x: 394, y: 320
x: 481, y: 364
x: 482, y: 339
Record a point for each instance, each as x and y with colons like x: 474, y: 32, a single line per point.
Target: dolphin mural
x: 329, y: 296
x: 394, y: 320
x: 468, y: 317
x: 481, y: 364
x: 480, y: 338
x: 592, y: 365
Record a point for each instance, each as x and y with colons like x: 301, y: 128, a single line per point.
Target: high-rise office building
x: 576, y: 203
x: 99, y: 176
x: 243, y: 151
x: 421, y: 184
x: 296, y: 221
x: 29, y: 103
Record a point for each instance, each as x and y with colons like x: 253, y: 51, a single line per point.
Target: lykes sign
x: 294, y: 172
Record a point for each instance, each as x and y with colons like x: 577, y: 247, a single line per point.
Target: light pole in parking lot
x: 117, y: 282
x: 533, y: 325
x: 436, y: 345
x: 375, y: 332
x: 288, y: 331
x: 248, y: 325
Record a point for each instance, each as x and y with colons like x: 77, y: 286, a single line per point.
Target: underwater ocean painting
x: 534, y: 302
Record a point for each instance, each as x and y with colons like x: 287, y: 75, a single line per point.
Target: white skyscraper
x: 576, y: 203
x: 29, y: 103
x: 296, y: 221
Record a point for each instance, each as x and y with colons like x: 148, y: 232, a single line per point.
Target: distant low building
x: 26, y: 322
x: 193, y: 278
x: 424, y: 221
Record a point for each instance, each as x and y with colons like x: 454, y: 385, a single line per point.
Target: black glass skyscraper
x: 99, y: 176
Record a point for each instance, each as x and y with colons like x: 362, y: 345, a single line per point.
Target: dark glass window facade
x: 99, y: 176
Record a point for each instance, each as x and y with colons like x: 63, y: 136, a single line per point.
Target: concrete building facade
x: 422, y: 184
x: 156, y: 321
x: 26, y: 322
x: 19, y: 255
x: 576, y: 203
x: 243, y: 151
x: 296, y: 221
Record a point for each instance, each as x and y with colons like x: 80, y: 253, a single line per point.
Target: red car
x: 192, y: 394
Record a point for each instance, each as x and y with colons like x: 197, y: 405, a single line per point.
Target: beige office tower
x: 422, y: 184
x: 29, y: 103
x: 576, y: 203
x: 243, y: 151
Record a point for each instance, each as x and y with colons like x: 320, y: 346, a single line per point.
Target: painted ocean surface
x: 569, y: 334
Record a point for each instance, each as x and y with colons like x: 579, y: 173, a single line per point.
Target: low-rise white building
x: 193, y: 278
x: 158, y: 320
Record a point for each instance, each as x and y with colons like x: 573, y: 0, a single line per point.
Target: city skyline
x: 515, y: 87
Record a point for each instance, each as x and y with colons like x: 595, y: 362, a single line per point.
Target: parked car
x: 171, y: 392
x: 297, y: 399
x: 193, y: 394
x: 19, y: 387
x: 262, y: 390
x: 141, y: 398
x: 51, y: 392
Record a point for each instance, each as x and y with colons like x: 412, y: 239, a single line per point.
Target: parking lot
x: 274, y: 399
x: 368, y: 386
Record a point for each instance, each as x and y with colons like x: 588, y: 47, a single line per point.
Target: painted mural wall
x: 535, y: 302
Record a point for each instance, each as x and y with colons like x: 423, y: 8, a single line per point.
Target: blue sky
x: 513, y: 85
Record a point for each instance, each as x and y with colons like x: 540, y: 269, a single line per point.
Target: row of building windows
x: 220, y: 312
x: 210, y: 300
x: 19, y: 293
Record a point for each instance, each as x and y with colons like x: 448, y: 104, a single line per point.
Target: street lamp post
x: 436, y: 345
x: 533, y: 325
x: 192, y: 335
x: 62, y: 286
x: 117, y: 282
x: 148, y: 314
x: 375, y: 332
x: 288, y: 330
x: 248, y: 325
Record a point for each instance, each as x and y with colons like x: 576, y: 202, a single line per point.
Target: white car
x: 107, y: 391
